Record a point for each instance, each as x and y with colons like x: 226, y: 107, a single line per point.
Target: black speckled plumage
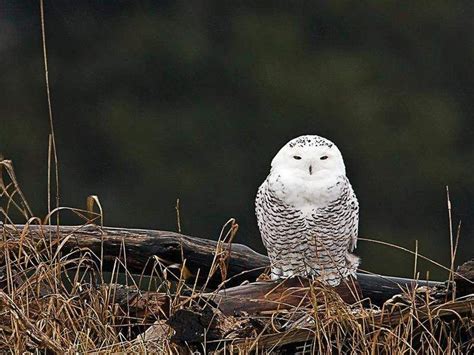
x: 315, y: 241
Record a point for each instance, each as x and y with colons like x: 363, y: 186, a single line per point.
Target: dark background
x: 160, y: 100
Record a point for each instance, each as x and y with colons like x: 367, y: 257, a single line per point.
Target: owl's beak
x: 310, y: 170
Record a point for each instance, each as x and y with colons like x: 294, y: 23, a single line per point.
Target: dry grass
x: 62, y: 303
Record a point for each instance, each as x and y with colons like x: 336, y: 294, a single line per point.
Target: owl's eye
x: 297, y: 157
x: 324, y: 157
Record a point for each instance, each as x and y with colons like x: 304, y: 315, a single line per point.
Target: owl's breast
x: 305, y: 195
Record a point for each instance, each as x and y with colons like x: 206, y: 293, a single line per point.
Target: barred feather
x: 315, y: 242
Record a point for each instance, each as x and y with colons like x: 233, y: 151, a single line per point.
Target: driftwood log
x: 238, y: 263
x: 448, y: 311
x: 221, y: 286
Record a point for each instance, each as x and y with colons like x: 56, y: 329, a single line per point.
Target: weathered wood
x: 239, y: 261
x: 464, y: 278
x: 141, y: 246
x: 217, y: 313
x: 453, y: 310
x: 269, y: 296
x: 228, y: 303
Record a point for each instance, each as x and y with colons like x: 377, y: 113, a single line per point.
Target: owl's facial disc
x: 309, y: 161
x: 306, y: 171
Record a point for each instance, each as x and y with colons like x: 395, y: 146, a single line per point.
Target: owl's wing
x: 355, y: 221
x: 259, y: 205
x: 353, y: 244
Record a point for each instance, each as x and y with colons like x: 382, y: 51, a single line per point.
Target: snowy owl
x: 308, y: 213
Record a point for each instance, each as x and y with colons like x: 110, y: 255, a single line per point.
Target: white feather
x: 307, y: 212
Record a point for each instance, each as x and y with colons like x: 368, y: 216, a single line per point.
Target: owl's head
x: 309, y: 157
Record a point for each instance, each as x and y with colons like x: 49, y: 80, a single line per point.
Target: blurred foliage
x: 159, y: 100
